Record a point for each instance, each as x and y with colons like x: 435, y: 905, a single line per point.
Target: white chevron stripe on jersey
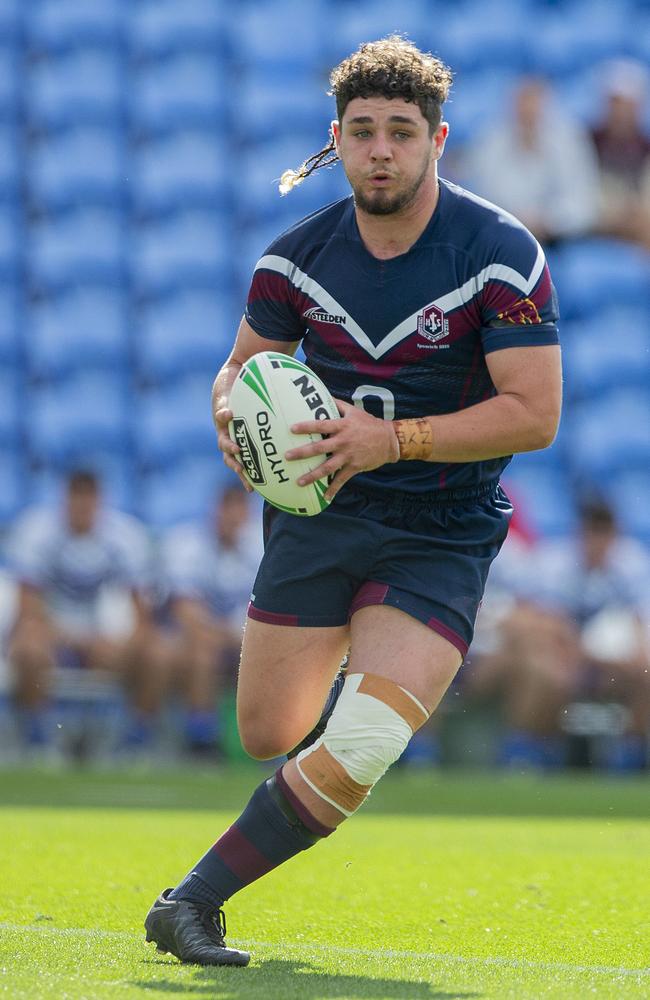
x: 448, y: 302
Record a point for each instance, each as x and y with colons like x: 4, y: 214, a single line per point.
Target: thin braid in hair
x: 327, y: 157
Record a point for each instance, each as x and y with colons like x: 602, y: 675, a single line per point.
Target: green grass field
x: 445, y: 885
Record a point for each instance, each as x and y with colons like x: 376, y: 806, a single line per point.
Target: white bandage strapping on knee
x: 369, y: 729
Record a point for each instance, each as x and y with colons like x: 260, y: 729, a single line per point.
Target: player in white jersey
x: 208, y: 571
x: 81, y: 571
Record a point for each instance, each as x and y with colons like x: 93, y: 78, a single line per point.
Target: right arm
x: 247, y: 343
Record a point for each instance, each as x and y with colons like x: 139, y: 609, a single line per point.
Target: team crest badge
x: 432, y: 324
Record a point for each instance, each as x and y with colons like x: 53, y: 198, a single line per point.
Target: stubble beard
x: 381, y: 203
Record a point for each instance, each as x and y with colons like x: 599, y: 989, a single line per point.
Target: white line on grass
x: 425, y: 956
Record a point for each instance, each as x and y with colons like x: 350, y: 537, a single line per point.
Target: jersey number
x: 378, y: 392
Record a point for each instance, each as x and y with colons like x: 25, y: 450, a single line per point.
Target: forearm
x: 503, y: 425
x: 223, y: 384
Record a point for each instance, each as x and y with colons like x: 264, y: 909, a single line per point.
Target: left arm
x: 523, y: 416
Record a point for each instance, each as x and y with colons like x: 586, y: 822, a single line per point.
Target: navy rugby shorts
x: 428, y: 556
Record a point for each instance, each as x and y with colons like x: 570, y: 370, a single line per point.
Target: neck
x: 387, y: 236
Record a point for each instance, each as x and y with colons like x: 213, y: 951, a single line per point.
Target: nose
x: 381, y: 149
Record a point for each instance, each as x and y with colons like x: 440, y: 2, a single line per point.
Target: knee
x: 263, y: 741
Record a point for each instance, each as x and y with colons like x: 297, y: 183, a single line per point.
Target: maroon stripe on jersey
x: 271, y: 617
x: 448, y: 633
x: 242, y: 857
x: 301, y: 811
x: 274, y: 287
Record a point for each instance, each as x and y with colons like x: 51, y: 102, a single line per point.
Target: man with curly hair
x: 430, y: 315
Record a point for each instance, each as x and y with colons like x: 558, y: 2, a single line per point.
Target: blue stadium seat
x: 10, y: 353
x: 72, y: 418
x: 80, y: 163
x: 183, y: 490
x: 8, y: 79
x: 10, y: 407
x: 53, y: 24
x: 85, y: 326
x: 579, y: 34
x: 9, y: 161
x: 159, y: 26
x: 10, y: 19
x: 476, y: 99
x: 174, y: 420
x: 10, y: 243
x: 185, y: 89
x: 607, y: 350
x: 190, y: 330
x: 86, y: 244
x: 365, y: 20
x: 482, y: 34
x: 259, y: 172
x: 610, y: 433
x: 544, y: 495
x: 271, y: 104
x: 12, y: 477
x: 186, y: 168
x: 601, y: 273
x: 83, y: 84
x: 189, y: 247
x: 282, y: 34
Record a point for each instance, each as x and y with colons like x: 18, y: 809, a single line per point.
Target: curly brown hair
x: 393, y: 67
x: 390, y: 67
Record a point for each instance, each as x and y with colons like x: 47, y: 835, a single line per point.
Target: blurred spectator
x: 573, y: 628
x: 81, y: 571
x: 623, y: 149
x: 209, y: 571
x: 536, y: 164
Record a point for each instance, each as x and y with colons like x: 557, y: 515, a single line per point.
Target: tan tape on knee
x: 369, y: 729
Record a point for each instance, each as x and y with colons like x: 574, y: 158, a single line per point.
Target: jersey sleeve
x: 27, y: 547
x: 518, y: 301
x: 274, y: 300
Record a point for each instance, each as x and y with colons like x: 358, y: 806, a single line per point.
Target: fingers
x: 229, y: 450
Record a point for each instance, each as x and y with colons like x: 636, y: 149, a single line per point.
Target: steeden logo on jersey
x: 432, y: 324
x: 323, y: 316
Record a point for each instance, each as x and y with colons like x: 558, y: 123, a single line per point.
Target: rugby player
x: 430, y: 315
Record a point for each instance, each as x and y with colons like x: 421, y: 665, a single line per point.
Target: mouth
x: 380, y: 179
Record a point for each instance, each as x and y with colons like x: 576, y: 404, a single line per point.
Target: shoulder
x: 490, y: 235
x: 124, y: 531
x: 298, y: 242
x: 42, y: 523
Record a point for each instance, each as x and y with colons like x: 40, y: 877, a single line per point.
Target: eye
x: 402, y: 135
x: 362, y: 133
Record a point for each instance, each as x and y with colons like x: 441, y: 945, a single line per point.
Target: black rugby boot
x: 328, y: 708
x: 192, y: 931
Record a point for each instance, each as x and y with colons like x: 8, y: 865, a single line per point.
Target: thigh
x: 392, y: 644
x: 284, y: 677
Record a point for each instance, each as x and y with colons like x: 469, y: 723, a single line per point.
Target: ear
x: 439, y: 139
x: 335, y: 129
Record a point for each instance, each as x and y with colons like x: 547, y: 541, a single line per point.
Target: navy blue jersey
x: 407, y: 337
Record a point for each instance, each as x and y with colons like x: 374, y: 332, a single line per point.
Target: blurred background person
x: 537, y: 163
x: 623, y: 148
x: 208, y: 570
x: 81, y: 572
x: 575, y: 629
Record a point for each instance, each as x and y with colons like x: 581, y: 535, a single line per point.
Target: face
x: 231, y: 515
x: 82, y: 509
x: 387, y: 153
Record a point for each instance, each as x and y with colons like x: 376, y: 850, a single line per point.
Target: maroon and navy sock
x: 273, y: 827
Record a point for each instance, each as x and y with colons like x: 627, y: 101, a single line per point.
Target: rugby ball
x: 271, y: 393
